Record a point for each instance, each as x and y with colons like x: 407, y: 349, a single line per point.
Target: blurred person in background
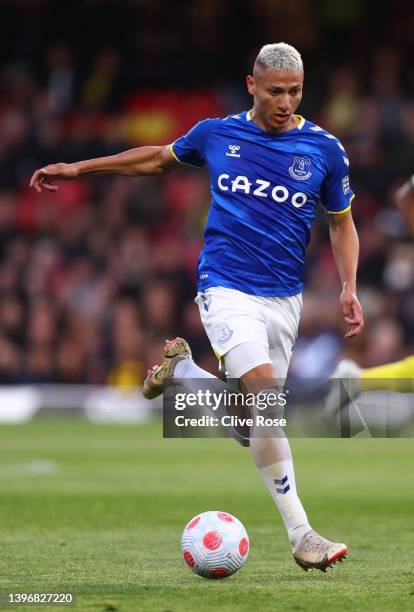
x: 384, y: 344
x: 404, y: 199
x: 250, y: 271
x: 128, y: 370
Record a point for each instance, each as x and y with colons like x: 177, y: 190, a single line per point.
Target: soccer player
x: 269, y: 168
x: 397, y: 376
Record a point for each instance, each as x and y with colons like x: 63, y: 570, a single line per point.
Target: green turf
x: 99, y: 510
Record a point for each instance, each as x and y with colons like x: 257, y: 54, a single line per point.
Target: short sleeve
x: 336, y: 194
x: 190, y: 148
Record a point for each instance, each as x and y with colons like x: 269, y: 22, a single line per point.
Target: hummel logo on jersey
x: 300, y: 169
x: 233, y: 149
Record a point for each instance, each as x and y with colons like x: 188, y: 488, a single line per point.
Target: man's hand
x: 42, y: 178
x: 352, y: 312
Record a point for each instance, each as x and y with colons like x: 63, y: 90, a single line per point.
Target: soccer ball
x: 215, y: 544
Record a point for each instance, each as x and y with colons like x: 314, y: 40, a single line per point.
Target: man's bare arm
x: 142, y: 161
x: 404, y: 200
x: 345, y: 247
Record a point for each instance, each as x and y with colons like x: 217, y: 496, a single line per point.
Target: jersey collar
x: 298, y: 127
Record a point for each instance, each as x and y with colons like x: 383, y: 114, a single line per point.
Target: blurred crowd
x: 94, y: 277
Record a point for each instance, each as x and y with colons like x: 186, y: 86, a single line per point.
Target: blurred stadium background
x: 95, y: 277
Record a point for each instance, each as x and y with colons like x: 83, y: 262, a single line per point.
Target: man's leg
x: 178, y: 366
x: 273, y: 458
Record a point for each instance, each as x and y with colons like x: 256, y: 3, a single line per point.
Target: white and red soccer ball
x: 215, y: 544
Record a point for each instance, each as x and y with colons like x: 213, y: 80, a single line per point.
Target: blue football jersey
x: 265, y: 188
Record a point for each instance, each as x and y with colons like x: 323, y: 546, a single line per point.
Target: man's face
x: 277, y: 94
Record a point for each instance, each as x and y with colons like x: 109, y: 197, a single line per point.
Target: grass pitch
x: 99, y: 511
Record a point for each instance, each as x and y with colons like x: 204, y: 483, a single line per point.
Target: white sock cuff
x: 187, y: 368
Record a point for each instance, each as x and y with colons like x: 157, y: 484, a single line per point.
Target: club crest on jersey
x: 223, y: 333
x: 300, y: 169
x: 233, y: 151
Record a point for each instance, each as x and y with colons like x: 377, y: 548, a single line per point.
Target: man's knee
x: 260, y: 379
x: 245, y: 358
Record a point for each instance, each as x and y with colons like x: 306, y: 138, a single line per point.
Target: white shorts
x: 232, y: 318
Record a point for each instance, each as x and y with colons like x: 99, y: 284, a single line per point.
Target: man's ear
x: 250, y: 84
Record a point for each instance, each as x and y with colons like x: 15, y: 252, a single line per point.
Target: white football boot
x: 315, y: 552
x: 337, y: 398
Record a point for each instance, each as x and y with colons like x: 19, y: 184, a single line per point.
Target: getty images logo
x: 233, y: 151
